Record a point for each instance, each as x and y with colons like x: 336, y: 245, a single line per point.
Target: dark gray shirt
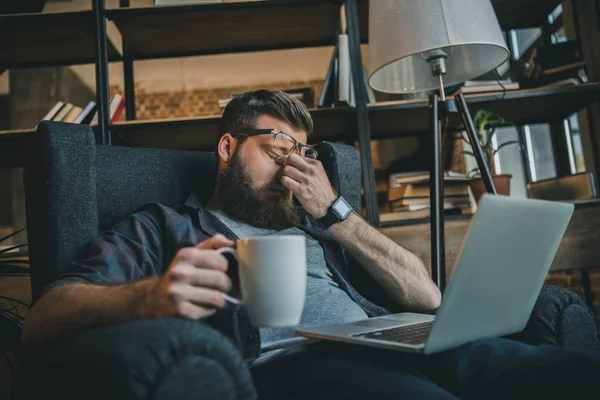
x: 325, y: 302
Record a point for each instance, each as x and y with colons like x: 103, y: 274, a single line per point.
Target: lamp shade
x: 402, y: 33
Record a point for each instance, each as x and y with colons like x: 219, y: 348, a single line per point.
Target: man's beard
x: 243, y: 202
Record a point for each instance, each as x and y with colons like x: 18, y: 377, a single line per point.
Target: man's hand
x: 308, y: 181
x: 194, y: 284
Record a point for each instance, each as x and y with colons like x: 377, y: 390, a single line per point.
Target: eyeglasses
x: 283, y: 144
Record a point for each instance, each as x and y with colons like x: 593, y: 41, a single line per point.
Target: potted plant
x: 485, y: 123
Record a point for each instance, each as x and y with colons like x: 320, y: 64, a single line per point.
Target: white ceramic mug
x: 272, y: 271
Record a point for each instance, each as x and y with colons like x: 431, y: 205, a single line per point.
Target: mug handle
x: 227, y: 297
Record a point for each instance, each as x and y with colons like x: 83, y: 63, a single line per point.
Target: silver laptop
x: 499, y: 272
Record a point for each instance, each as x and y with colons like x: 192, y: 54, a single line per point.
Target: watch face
x: 341, y: 208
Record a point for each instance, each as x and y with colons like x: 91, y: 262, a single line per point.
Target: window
x: 539, y: 160
x: 575, y: 145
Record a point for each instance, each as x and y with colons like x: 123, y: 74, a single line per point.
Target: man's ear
x: 225, y: 148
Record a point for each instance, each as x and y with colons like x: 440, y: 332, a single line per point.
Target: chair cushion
x: 129, y: 177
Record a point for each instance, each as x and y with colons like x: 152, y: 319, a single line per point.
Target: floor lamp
x: 420, y: 45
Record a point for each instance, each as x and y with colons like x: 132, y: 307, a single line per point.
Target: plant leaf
x: 11, y: 235
x: 505, y: 144
x: 476, y: 169
x: 462, y: 136
x: 12, y: 248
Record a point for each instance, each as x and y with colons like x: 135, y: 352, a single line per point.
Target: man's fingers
x: 189, y: 310
x: 291, y: 184
x: 294, y: 173
x: 215, y: 242
x: 297, y: 161
x: 201, y: 258
x: 201, y: 277
x: 203, y: 297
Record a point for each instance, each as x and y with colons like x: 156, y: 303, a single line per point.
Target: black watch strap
x: 337, y: 211
x: 328, y: 219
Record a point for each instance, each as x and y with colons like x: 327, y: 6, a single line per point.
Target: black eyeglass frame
x: 297, y: 145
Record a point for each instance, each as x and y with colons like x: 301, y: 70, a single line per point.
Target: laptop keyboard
x: 411, y: 334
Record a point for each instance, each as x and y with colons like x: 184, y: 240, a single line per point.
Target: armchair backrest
x: 75, y: 189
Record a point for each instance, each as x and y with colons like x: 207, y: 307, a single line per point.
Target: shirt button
x: 253, y: 336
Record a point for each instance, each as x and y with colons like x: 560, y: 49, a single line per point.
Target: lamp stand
x: 440, y: 109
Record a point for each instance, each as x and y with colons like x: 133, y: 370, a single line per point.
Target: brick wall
x: 572, y: 280
x: 196, y: 103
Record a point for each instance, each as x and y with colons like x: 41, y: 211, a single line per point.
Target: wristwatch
x: 337, y: 211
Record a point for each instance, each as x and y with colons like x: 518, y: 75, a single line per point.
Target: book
x: 53, y: 111
x: 63, y: 112
x: 404, y: 215
x: 402, y: 178
x: 73, y: 114
x: 422, y: 213
x: 85, y: 117
x: 449, y: 202
x: 94, y: 120
x: 183, y: 2
x: 344, y: 71
x: 115, y: 109
x: 486, y: 82
x: 492, y: 87
x: 328, y: 96
x: 422, y: 191
x: 117, y: 104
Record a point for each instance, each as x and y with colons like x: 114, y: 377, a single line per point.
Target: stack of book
x: 487, y: 86
x: 409, y: 196
x: 554, y: 63
x: 67, y: 112
x: 338, y: 86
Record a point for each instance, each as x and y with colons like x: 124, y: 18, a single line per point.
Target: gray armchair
x: 75, y: 189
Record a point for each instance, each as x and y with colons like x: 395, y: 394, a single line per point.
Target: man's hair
x: 243, y: 111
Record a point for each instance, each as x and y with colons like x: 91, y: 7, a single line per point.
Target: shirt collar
x: 194, y: 202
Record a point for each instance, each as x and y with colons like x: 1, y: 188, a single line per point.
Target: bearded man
x: 129, y: 314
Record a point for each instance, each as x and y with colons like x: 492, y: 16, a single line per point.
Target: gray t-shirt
x: 325, y: 302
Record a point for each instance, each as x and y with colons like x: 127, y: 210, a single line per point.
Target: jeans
x: 493, y: 368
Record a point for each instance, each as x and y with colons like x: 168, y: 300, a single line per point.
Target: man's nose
x: 280, y: 160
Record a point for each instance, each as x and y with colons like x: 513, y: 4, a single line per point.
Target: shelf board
x: 422, y: 221
x: 14, y: 147
x: 520, y: 107
x: 50, y: 39
x: 512, y: 14
x: 388, y: 120
x: 176, y: 31
x: 333, y: 124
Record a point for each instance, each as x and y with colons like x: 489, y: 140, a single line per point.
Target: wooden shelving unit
x: 158, y: 32
x: 331, y: 124
x: 388, y: 120
x: 519, y: 107
x: 33, y: 40
x: 52, y: 39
